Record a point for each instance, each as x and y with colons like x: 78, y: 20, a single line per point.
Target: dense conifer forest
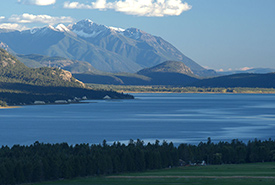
x: 43, y: 162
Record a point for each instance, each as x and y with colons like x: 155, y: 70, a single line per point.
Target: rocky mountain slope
x: 12, y: 70
x: 74, y: 66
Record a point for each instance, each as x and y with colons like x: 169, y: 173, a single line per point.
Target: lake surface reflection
x: 180, y: 118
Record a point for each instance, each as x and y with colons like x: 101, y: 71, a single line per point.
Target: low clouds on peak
x: 12, y: 26
x: 148, y: 8
x: 18, y: 21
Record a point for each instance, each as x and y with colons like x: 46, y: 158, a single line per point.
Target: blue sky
x: 218, y: 34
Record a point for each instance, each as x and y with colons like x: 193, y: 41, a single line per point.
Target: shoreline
x: 10, y: 107
x: 196, y: 92
x: 167, y: 89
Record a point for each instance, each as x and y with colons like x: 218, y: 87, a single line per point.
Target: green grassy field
x: 243, y: 174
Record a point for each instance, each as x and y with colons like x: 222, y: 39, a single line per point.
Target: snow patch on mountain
x: 132, y: 33
x: 34, y: 30
x: 117, y: 29
x: 81, y: 33
x: 62, y: 28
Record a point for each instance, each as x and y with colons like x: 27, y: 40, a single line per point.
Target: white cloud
x: 2, y: 17
x: 76, y: 5
x: 12, y: 26
x: 100, y: 4
x: 37, y: 2
x: 30, y: 18
x: 149, y: 8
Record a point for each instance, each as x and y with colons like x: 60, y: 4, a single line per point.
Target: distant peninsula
x: 21, y: 85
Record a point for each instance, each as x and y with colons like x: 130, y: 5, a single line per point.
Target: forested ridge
x: 43, y: 162
x: 21, y: 85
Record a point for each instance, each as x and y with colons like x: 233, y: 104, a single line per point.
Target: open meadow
x: 241, y: 174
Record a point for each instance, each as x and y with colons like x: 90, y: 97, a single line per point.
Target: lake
x: 180, y: 118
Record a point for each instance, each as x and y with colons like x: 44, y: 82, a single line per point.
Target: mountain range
x: 106, y: 48
x: 173, y: 73
x: 239, y: 80
x: 252, y: 70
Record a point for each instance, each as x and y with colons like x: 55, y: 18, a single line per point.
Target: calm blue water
x: 188, y: 118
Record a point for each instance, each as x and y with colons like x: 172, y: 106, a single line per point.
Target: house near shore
x: 107, y: 97
x: 39, y: 103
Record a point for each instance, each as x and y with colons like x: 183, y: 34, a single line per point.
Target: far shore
x: 172, y: 89
x: 248, y: 92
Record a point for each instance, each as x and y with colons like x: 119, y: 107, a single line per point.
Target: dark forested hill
x: 239, y: 80
x: 22, y: 85
x: 167, y: 73
x: 168, y: 67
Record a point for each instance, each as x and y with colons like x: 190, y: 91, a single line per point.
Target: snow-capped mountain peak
x: 42, y: 30
x: 87, y: 28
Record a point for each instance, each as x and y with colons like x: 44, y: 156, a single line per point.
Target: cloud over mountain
x: 30, y: 18
x: 27, y: 18
x: 11, y: 26
x: 37, y: 2
x: 148, y: 8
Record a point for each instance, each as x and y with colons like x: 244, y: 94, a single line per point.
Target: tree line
x: 179, y: 89
x: 21, y: 94
x: 43, y: 162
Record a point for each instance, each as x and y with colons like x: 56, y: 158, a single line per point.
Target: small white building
x: 107, y: 97
x: 39, y: 103
x: 60, y: 102
x: 77, y: 99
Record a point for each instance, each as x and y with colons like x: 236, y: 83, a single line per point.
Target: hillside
x: 168, y: 67
x: 106, y: 48
x: 13, y: 71
x: 239, y: 80
x: 166, y: 73
x: 113, y: 78
x: 22, y: 85
x: 159, y: 76
x: 74, y: 66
